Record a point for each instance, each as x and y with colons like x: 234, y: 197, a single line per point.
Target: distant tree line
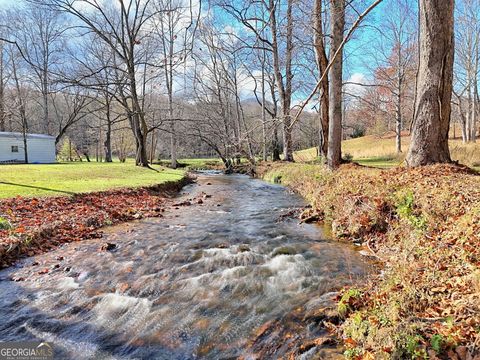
x: 237, y: 79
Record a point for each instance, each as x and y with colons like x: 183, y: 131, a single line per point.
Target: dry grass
x: 424, y: 224
x: 383, y: 148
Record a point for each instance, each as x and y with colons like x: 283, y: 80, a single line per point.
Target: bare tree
x: 467, y: 55
x: 21, y: 96
x: 175, y: 28
x: 3, y: 81
x: 396, y: 62
x: 69, y: 109
x: 279, y: 41
x: 121, y: 27
x: 38, y: 33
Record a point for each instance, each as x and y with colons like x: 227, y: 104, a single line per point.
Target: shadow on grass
x: 38, y: 188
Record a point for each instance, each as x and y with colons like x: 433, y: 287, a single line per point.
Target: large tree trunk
x: 334, y: 155
x: 322, y: 63
x: 434, y: 86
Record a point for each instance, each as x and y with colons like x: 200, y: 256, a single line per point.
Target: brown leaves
x: 44, y: 223
x: 431, y: 279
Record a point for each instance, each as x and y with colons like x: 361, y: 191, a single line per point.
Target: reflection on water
x: 196, y: 283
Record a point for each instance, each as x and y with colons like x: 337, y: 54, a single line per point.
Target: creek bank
x: 424, y: 224
x: 35, y: 225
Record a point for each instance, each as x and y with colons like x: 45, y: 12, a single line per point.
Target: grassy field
x: 71, y: 178
x: 194, y: 164
x: 380, y: 151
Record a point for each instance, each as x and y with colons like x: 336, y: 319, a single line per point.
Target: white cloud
x: 353, y: 84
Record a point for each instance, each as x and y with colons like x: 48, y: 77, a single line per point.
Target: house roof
x: 18, y: 135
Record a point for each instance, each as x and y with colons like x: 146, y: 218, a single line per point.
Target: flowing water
x: 196, y: 283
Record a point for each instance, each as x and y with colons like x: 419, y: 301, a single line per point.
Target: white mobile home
x: 40, y: 148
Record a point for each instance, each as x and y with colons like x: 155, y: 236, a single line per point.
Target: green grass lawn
x: 71, y: 178
x: 193, y: 164
x: 379, y: 162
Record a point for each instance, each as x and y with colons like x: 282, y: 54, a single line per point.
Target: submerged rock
x: 284, y: 250
x: 108, y: 247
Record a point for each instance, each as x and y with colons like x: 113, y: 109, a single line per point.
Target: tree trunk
x: 287, y: 119
x: 334, y: 154
x: 398, y: 130
x: 473, y: 135
x: 264, y: 120
x: 463, y: 119
x: 398, y: 120
x: 141, y: 158
x: 137, y: 121
x: 153, y: 147
x: 434, y: 86
x: 468, y: 124
x: 173, y: 146
x: 46, y: 116
x: 25, y: 145
x: 322, y: 63
x: 108, y: 143
x: 287, y: 138
x: 108, y: 135
x: 2, y: 92
x: 275, y: 143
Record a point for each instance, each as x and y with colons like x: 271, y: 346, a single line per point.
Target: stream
x: 197, y: 283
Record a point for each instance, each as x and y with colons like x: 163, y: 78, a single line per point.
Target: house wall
x: 40, y: 150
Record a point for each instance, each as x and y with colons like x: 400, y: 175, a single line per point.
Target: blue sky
x: 357, y: 51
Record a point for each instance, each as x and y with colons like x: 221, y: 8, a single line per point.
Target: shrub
x: 347, y: 157
x: 5, y: 224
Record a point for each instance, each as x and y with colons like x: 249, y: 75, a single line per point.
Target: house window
x: 14, y: 149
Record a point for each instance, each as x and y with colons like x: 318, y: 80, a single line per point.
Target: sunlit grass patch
x: 79, y: 177
x: 378, y: 151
